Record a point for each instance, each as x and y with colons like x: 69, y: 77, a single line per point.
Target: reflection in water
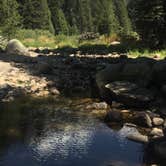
x: 58, y: 134
x: 61, y: 143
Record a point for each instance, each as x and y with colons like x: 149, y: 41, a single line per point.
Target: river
x: 62, y: 133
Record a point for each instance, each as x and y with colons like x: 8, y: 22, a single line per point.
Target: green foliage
x: 36, y: 14
x: 147, y: 53
x: 9, y: 17
x: 150, y: 21
x: 109, y: 18
x: 58, y: 18
x: 63, y: 41
x: 123, y: 17
x: 36, y: 38
x: 68, y: 17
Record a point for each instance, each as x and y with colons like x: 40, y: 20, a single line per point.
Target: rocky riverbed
x: 134, y: 89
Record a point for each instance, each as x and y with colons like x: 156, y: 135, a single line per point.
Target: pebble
x: 158, y: 121
x: 157, y: 132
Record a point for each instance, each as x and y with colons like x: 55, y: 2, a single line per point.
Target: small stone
x: 126, y: 114
x: 98, y: 106
x: 54, y: 91
x: 138, y: 138
x: 130, y: 125
x: 157, y: 132
x: 142, y: 119
x: 157, y: 121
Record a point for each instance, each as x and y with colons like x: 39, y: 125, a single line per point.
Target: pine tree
x: 97, y: 14
x: 9, y: 17
x: 58, y: 18
x: 85, y: 18
x: 108, y: 23
x: 123, y: 16
x: 36, y: 15
x: 47, y: 22
x: 149, y: 18
x: 71, y: 14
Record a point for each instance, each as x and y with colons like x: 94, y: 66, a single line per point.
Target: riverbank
x: 44, y: 73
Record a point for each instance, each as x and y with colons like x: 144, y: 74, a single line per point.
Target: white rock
x: 14, y: 46
x: 157, y: 132
x: 158, y: 121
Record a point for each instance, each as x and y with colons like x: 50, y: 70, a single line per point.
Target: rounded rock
x: 157, y: 132
x: 15, y: 47
x: 157, y: 121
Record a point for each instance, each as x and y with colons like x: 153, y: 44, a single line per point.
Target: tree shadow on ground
x: 71, y: 74
x: 71, y: 70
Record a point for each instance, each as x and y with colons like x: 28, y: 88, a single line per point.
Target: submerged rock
x: 137, y: 137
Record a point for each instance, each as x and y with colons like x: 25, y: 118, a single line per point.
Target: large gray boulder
x: 139, y: 73
x: 15, y: 47
x: 130, y: 94
x: 111, y: 73
x: 136, y: 73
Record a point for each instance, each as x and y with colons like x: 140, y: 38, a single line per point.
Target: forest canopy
x: 73, y: 17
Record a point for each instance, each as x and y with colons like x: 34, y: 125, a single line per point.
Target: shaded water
x: 62, y: 133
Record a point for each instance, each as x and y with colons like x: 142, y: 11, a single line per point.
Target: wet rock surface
x: 132, y: 83
x: 130, y: 94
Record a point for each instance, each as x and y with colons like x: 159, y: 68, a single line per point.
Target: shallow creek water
x: 62, y: 133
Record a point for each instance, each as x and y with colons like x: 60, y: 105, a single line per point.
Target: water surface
x: 62, y: 133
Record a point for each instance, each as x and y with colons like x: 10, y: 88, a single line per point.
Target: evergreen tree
x: 74, y: 17
x: 58, y: 18
x: 108, y: 23
x: 97, y: 14
x: 36, y: 15
x: 149, y: 18
x: 123, y: 16
x: 9, y: 17
x: 85, y: 18
x: 71, y: 15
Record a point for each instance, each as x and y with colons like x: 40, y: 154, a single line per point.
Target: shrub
x: 36, y: 38
x: 63, y: 40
